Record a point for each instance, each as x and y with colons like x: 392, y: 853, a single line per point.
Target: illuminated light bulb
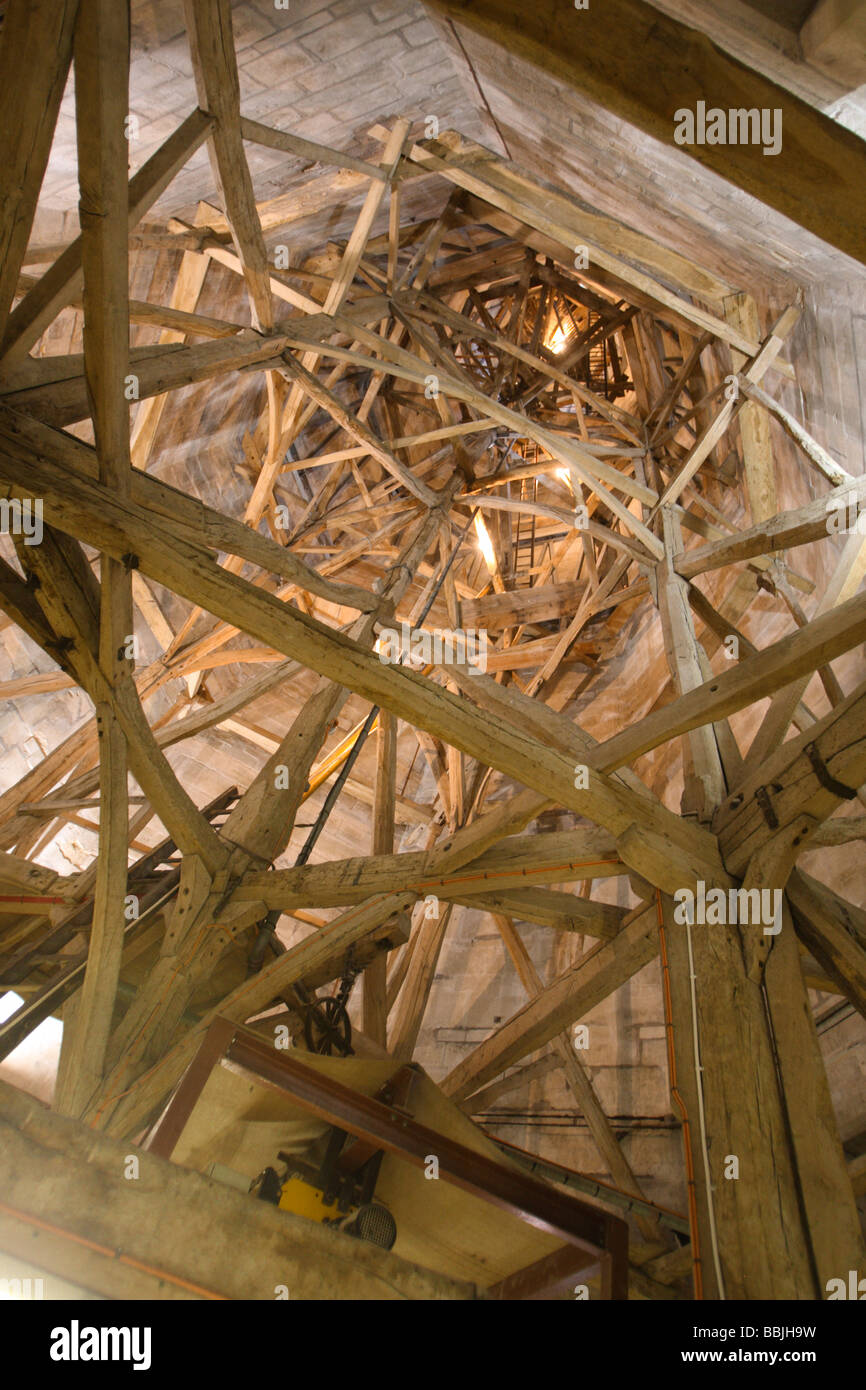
x: 485, y: 544
x: 558, y: 339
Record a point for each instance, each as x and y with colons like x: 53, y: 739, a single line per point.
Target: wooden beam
x: 191, y: 520
x: 845, y: 580
x: 356, y: 429
x: 833, y: 39
x: 63, y: 281
x: 827, y: 465
x: 533, y: 209
x: 102, y: 104
x: 742, y: 311
x: 308, y: 149
x: 292, y: 418
x: 830, y: 1211
x: 412, y: 1001
x: 834, y: 931
x: 704, y: 779
x: 567, y: 999
x: 549, y: 908
x: 211, y: 39
x: 124, y: 1108
x: 30, y: 96
x: 157, y: 369
x: 460, y: 867
x: 84, y: 508
x: 807, y: 776
x: 71, y: 600
x: 784, y: 531
x: 583, y: 49
x: 791, y: 657
x: 576, y: 1075
x: 375, y: 1012
x: 86, y: 1032
x: 714, y: 431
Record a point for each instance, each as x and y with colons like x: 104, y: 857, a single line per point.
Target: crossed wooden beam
x: 466, y: 302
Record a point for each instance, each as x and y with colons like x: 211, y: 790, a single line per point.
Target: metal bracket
x: 762, y: 796
x: 825, y: 776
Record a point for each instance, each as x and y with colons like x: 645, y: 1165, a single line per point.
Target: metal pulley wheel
x: 327, y: 1028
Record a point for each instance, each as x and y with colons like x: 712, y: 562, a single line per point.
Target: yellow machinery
x: 305, y: 1200
x: 338, y: 1193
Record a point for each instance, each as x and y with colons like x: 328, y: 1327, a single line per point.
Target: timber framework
x: 452, y: 469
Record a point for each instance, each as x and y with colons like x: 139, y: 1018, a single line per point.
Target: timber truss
x: 523, y: 419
